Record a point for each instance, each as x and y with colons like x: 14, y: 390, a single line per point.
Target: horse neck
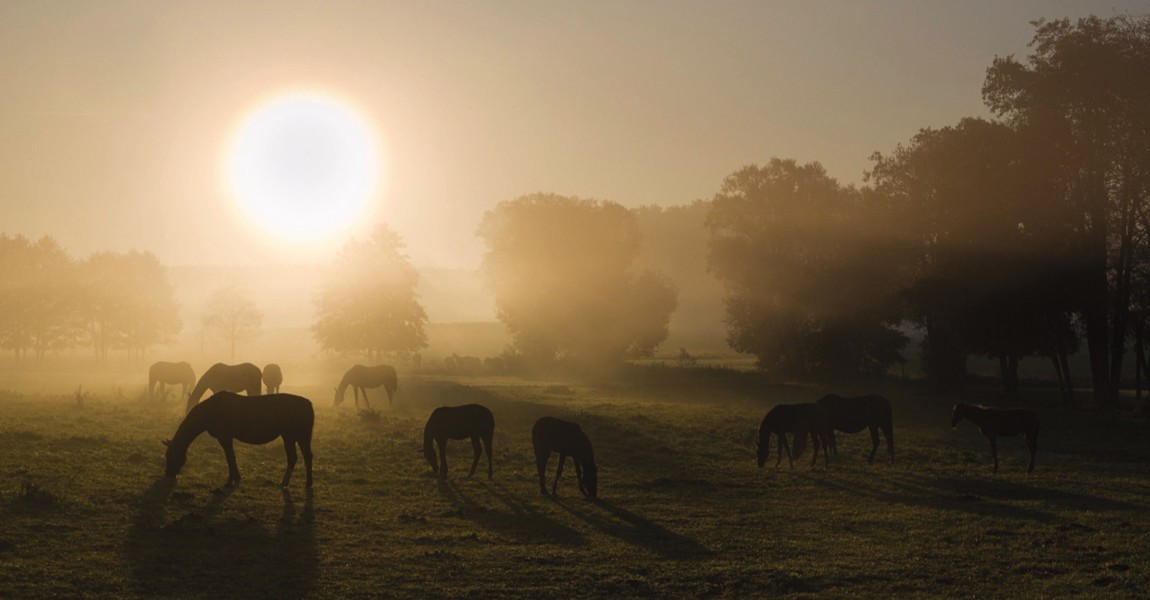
x: 201, y: 387
x: 339, y: 391
x: 192, y: 426
x: 427, y: 437
x: 586, y: 454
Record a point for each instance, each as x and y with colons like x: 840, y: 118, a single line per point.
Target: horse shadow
x: 515, y: 517
x: 981, y: 497
x: 622, y: 524
x: 201, y: 554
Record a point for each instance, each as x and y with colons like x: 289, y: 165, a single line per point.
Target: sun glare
x: 303, y: 167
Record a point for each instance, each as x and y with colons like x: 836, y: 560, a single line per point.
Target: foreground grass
x: 684, y: 511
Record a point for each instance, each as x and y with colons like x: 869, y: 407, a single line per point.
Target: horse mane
x: 190, y: 428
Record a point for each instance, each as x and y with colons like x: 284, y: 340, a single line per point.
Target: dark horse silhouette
x: 361, y: 377
x: 852, y: 415
x: 227, y: 417
x: 170, y: 373
x: 994, y: 422
x: 457, y: 423
x: 273, y: 377
x: 798, y: 419
x: 556, y: 435
x: 244, y: 377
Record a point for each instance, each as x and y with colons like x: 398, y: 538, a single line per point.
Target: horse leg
x: 441, y: 443
x: 289, y: 449
x: 558, y: 472
x: 541, y: 464
x: 305, y: 449
x: 888, y: 431
x: 230, y: 453
x: 1032, y: 445
x: 994, y: 452
x: 873, y: 443
x: 832, y: 442
x: 487, y: 447
x: 476, y: 452
x: 579, y: 475
x: 786, y: 446
x: 815, y: 443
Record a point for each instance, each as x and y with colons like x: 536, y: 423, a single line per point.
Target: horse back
x: 460, y: 422
x: 853, y: 414
x: 259, y: 419
x: 556, y: 435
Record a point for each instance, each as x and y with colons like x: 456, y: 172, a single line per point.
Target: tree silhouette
x: 39, y: 303
x: 369, y: 304
x: 231, y: 316
x: 562, y: 272
x: 809, y: 286
x: 128, y: 302
x: 1084, y: 93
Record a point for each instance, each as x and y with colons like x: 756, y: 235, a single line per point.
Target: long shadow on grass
x: 199, y: 555
x: 520, y: 519
x: 976, y: 496
x: 631, y: 528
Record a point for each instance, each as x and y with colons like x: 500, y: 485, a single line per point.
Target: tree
x: 986, y: 253
x: 369, y: 304
x: 1084, y: 93
x: 808, y: 286
x: 128, y: 302
x: 230, y: 315
x: 561, y: 269
x: 39, y: 304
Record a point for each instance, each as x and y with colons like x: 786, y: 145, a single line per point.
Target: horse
x: 170, y: 373
x: 273, y: 377
x: 227, y: 416
x: 361, y: 377
x: 457, y: 423
x: 556, y: 435
x: 244, y: 377
x: 852, y: 415
x: 799, y: 419
x: 994, y: 422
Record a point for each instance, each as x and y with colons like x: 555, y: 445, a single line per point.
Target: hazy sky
x: 114, y: 115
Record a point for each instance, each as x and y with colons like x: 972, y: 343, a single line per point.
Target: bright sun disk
x: 303, y: 167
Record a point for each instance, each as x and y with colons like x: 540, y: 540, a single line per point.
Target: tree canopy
x: 369, y: 303
x: 562, y: 271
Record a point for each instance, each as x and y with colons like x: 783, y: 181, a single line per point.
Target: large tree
x: 809, y: 286
x: 369, y: 304
x: 986, y: 254
x: 1085, y: 93
x: 562, y: 271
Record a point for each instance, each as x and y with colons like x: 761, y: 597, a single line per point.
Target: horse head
x: 763, y: 446
x: 590, y: 483
x: 955, y: 415
x: 338, y: 397
x: 174, y: 459
x: 429, y: 454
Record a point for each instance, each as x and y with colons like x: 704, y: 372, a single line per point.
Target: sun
x: 303, y: 167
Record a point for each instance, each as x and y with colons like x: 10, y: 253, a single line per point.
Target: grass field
x: 683, y: 510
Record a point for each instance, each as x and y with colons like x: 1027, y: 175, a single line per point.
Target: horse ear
x: 166, y: 442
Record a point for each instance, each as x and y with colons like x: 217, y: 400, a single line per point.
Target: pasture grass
x: 683, y: 512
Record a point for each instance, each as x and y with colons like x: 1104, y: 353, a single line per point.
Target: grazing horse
x: 799, y: 419
x: 556, y: 435
x: 361, y: 377
x: 170, y: 373
x: 273, y: 377
x: 227, y: 416
x: 244, y: 377
x: 457, y: 423
x: 994, y: 422
x: 852, y: 415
